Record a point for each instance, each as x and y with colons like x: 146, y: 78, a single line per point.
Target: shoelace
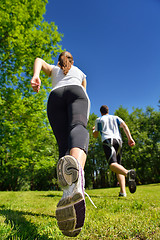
x: 90, y: 199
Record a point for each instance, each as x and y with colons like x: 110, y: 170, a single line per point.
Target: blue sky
x: 116, y: 43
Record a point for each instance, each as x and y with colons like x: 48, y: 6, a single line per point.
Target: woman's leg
x: 58, y: 118
x: 80, y: 155
x: 69, y: 172
x: 78, y: 117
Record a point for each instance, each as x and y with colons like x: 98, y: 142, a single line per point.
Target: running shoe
x: 122, y: 194
x: 131, y: 180
x: 70, y: 212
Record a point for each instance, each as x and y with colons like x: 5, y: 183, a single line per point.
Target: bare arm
x: 95, y: 133
x: 84, y: 83
x: 131, y: 142
x: 39, y: 65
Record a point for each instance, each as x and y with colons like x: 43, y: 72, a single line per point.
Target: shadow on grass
x: 24, y: 229
x: 52, y: 195
x: 104, y: 197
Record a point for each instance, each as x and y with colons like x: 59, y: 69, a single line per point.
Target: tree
x: 90, y: 166
x: 27, y: 145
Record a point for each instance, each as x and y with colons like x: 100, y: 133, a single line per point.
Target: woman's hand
x: 36, y: 83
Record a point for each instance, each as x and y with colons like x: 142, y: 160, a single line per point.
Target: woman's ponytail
x: 65, y: 61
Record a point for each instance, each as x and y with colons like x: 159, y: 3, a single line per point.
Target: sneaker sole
x: 70, y: 212
x: 132, y: 183
x: 70, y: 215
x: 67, y: 171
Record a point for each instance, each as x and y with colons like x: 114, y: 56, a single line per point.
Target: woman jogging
x: 68, y: 111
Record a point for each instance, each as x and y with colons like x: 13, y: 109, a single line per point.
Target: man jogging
x: 108, y: 126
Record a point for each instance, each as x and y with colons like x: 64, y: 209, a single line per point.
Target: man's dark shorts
x: 113, y: 150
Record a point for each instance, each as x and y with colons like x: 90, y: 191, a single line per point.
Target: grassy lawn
x: 31, y: 215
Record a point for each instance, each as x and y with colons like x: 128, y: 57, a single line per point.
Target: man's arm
x: 131, y: 142
x: 95, y: 133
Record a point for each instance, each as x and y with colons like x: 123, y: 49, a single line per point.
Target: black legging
x: 68, y: 111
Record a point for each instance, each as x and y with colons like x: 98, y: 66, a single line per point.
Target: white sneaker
x: 70, y: 212
x: 122, y: 194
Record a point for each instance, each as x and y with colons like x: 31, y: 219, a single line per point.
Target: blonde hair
x: 65, y: 61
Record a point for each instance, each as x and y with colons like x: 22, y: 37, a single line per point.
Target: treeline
x: 28, y: 149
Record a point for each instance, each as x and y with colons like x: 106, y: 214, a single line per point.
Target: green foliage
x: 31, y: 215
x: 28, y: 151
x: 24, y: 36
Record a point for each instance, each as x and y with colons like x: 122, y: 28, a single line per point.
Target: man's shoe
x: 122, y: 194
x: 131, y: 180
x: 70, y: 212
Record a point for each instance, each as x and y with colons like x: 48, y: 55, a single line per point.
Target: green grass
x: 31, y: 215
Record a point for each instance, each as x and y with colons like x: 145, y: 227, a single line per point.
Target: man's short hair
x: 104, y: 109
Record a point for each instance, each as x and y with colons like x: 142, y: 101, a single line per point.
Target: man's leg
x: 118, y: 169
x: 121, y: 173
x: 122, y: 183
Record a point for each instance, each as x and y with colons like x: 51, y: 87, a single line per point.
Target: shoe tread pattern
x: 70, y: 215
x: 132, y: 182
x: 67, y: 171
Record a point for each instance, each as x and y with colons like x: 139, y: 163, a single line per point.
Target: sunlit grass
x: 31, y: 215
